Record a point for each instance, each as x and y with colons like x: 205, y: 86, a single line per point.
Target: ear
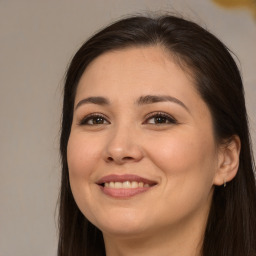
x: 228, y: 161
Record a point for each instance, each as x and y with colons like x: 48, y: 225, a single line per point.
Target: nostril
x: 120, y: 160
x: 127, y: 158
x: 110, y: 159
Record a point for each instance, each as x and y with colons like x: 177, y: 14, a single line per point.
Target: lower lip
x: 123, y: 192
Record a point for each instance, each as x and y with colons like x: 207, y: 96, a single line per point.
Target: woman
x: 156, y: 156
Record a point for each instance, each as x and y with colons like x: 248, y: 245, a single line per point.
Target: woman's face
x: 141, y: 153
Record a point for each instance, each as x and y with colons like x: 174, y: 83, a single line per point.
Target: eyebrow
x: 149, y: 99
x: 93, y: 100
x: 143, y: 100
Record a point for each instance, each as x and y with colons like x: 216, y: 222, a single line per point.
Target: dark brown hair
x: 231, y: 226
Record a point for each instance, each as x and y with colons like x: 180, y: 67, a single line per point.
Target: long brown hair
x: 231, y: 227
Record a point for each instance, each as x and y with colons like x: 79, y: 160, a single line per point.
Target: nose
x: 123, y: 146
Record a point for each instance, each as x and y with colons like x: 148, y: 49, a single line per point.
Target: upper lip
x: 123, y: 178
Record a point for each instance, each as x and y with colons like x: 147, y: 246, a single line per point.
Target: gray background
x: 38, y: 39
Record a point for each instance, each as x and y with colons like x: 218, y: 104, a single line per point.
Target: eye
x: 160, y: 118
x: 94, y: 119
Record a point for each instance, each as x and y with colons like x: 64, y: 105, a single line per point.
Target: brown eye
x: 160, y: 118
x: 97, y: 120
x: 94, y: 120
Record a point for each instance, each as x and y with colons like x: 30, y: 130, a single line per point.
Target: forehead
x: 136, y: 67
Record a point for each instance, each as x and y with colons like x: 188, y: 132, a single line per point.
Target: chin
x: 122, y: 227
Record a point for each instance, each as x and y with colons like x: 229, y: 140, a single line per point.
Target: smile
x: 124, y: 186
x: 127, y: 184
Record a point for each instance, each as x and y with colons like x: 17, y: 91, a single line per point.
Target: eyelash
x: 94, y: 116
x: 167, y: 117
x: 91, y: 117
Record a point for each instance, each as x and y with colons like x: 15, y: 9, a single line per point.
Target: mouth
x: 124, y: 186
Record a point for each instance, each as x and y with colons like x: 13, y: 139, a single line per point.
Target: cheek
x: 188, y: 166
x: 189, y: 159
x: 82, y: 155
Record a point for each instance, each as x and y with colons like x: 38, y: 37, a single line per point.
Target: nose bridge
x: 123, y: 144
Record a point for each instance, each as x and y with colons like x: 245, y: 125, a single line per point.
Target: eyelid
x: 92, y: 115
x: 160, y: 114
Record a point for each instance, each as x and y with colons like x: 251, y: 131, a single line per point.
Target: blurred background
x: 38, y: 39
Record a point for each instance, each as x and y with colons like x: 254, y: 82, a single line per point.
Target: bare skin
x: 138, y: 116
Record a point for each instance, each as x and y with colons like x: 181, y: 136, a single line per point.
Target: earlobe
x: 228, y: 161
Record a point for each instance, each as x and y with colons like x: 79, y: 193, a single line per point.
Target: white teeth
x: 126, y: 184
x: 118, y: 185
x: 135, y: 184
x: 141, y: 184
